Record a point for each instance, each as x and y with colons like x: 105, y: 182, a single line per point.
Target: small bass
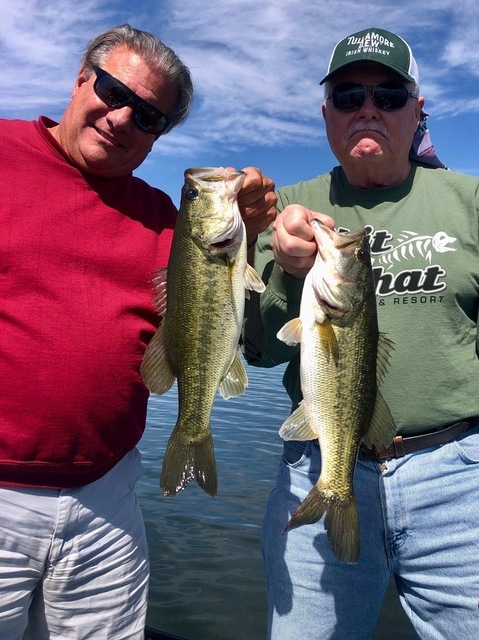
x: 201, y: 298
x: 343, y: 360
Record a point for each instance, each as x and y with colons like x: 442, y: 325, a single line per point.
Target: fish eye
x: 191, y: 194
x: 363, y: 255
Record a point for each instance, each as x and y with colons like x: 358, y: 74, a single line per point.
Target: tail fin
x: 341, y: 521
x: 185, y: 461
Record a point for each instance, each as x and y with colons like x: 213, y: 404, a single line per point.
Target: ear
x: 83, y: 76
x: 323, y: 110
x: 419, y: 107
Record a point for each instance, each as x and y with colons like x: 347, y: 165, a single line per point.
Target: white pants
x: 74, y: 563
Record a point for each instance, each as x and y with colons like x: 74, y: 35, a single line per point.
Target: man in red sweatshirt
x: 81, y: 240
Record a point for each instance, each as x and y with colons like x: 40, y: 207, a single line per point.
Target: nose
x: 369, y: 107
x: 120, y: 118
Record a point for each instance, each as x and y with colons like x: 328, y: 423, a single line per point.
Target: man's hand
x: 257, y: 202
x: 293, y: 242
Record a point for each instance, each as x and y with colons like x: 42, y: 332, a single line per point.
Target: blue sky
x: 256, y: 68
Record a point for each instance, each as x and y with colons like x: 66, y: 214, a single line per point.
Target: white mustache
x: 367, y: 126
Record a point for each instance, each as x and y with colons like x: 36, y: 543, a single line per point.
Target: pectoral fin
x: 328, y: 341
x: 252, y: 280
x: 291, y: 332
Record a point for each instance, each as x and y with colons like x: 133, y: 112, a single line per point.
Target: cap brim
x: 399, y: 72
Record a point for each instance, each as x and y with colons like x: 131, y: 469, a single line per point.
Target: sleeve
x: 477, y: 316
x: 267, y: 312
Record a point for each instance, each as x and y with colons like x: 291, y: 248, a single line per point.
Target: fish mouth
x: 344, y: 241
x: 330, y: 303
x: 329, y: 298
x: 230, y: 237
x: 222, y: 244
x: 332, y: 288
x: 209, y: 176
x: 330, y: 309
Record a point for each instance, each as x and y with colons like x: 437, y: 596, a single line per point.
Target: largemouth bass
x: 201, y: 299
x: 343, y: 360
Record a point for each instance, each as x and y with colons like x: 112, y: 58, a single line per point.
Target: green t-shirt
x: 425, y: 249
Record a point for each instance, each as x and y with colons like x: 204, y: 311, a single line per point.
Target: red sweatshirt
x: 77, y: 259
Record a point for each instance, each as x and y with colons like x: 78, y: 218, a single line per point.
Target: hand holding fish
x: 293, y: 240
x: 257, y: 202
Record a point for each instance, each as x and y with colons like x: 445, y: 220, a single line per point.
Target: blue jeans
x: 419, y: 519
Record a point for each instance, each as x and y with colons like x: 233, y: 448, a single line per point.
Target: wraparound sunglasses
x: 116, y: 95
x: 387, y: 96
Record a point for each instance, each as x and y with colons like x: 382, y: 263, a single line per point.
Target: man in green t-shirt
x: 418, y: 498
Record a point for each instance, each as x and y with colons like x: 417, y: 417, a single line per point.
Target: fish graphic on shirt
x: 410, y: 244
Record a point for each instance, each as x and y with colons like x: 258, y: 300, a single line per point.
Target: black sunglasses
x: 115, y: 94
x: 386, y: 96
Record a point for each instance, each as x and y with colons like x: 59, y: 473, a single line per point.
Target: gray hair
x: 155, y: 53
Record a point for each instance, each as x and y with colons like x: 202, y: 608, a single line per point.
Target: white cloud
x: 256, y: 65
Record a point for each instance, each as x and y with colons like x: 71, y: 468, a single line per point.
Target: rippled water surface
x: 207, y: 578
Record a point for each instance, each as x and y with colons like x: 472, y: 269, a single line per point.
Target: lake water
x: 207, y: 579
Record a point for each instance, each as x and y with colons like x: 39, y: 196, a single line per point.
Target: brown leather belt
x: 401, y: 446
